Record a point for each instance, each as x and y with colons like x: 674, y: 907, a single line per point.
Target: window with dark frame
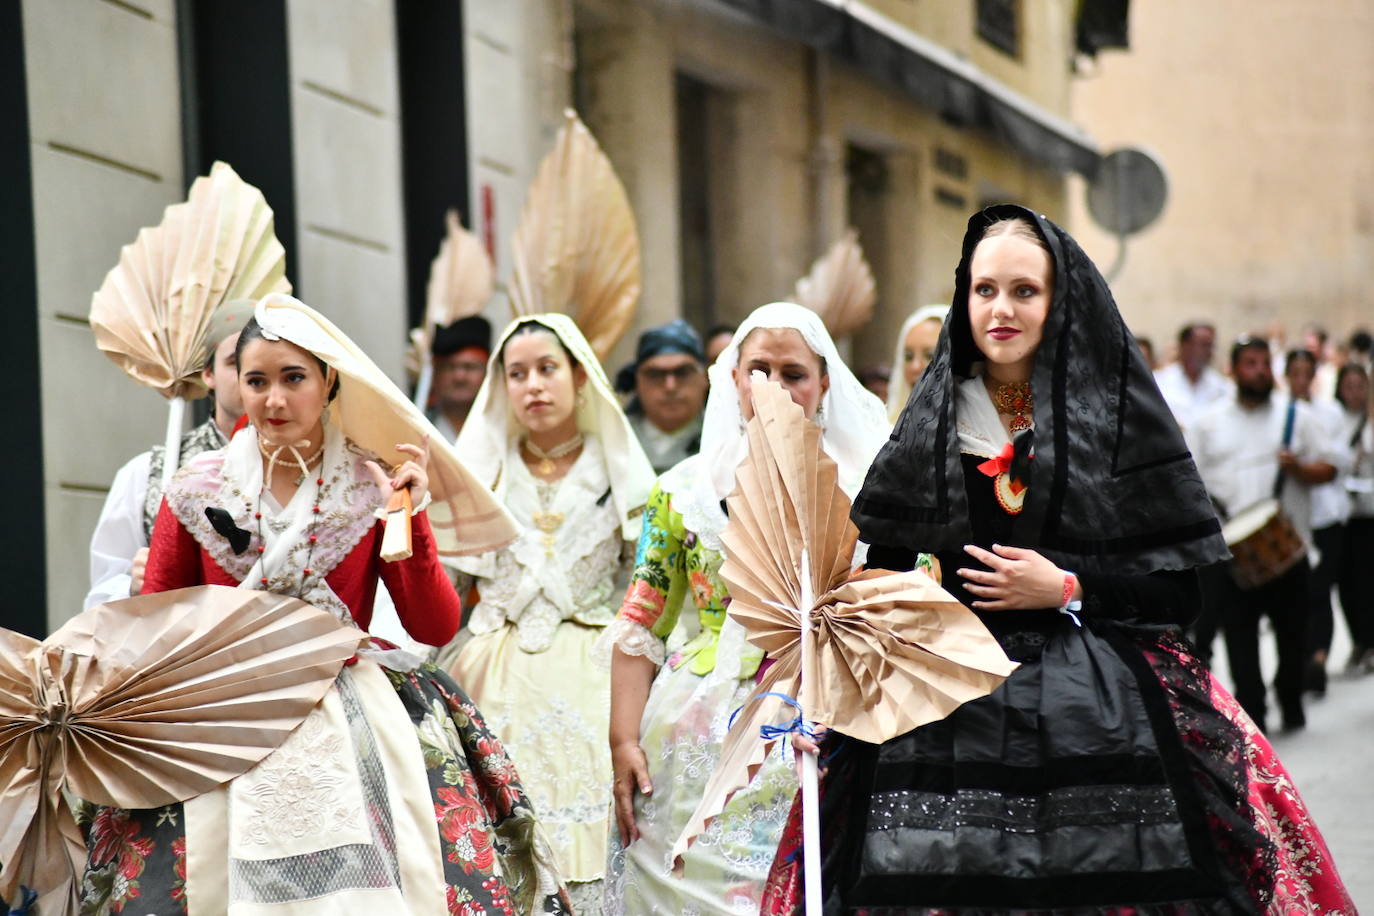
x: 999, y: 24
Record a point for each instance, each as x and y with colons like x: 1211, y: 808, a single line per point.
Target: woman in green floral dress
x: 676, y: 677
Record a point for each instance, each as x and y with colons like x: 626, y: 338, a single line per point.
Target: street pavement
x: 1332, y: 760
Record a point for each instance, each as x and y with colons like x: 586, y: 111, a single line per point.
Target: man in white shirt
x: 1330, y: 510
x: 1190, y: 385
x: 119, y: 546
x: 1244, y: 450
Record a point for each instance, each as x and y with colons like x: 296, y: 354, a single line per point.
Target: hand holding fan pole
x: 869, y: 654
x: 576, y: 250
x: 460, y: 283
x: 145, y: 702
x: 840, y: 287
x: 153, y: 311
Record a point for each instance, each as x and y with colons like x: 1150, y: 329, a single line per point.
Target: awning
x: 935, y: 77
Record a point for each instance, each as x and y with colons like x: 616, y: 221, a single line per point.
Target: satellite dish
x: 1129, y: 191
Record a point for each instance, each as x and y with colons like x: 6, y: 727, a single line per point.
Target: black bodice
x: 1157, y: 599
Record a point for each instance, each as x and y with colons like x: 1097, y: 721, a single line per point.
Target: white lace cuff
x: 631, y: 639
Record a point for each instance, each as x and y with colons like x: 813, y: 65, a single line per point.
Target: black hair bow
x: 223, y: 523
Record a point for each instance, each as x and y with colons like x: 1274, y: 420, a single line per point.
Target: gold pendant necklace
x: 546, y: 464
x: 1015, y: 400
x: 546, y: 520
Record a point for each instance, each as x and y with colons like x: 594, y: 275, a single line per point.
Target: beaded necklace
x: 304, y: 465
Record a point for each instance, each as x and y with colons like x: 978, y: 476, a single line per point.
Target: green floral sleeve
x: 654, y: 598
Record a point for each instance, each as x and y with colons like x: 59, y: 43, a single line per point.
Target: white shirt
x: 1331, y: 500
x: 1237, y: 452
x: 119, y: 532
x: 1187, y: 400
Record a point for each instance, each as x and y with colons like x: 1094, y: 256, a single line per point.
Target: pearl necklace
x: 546, y: 464
x: 304, y: 464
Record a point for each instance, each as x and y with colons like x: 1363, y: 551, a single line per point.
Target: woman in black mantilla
x: 1038, y: 462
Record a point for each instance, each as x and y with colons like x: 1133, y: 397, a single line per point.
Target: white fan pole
x: 171, y: 447
x: 810, y: 783
x: 423, y: 385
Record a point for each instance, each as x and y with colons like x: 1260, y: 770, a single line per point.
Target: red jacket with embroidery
x: 425, y: 600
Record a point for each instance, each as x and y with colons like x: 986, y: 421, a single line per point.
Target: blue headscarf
x: 677, y: 336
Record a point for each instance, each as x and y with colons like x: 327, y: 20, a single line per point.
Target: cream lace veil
x: 486, y: 438
x: 897, y: 388
x: 855, y: 423
x: 376, y: 415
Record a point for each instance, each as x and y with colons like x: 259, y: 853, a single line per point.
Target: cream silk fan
x: 871, y: 654
x: 840, y: 287
x: 152, y: 312
x: 145, y: 702
x: 460, y: 283
x: 576, y: 250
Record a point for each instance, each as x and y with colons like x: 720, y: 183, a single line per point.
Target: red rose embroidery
x: 463, y: 824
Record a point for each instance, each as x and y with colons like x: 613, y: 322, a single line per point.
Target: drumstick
x: 396, y: 543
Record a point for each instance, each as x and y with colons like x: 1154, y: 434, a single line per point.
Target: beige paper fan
x: 145, y: 702
x: 460, y: 283
x: 460, y: 278
x: 152, y: 312
x: 840, y: 287
x: 880, y: 654
x: 576, y: 250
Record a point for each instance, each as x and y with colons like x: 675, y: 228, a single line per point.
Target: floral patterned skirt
x: 1267, y: 851
x: 684, y: 725
x: 286, y: 837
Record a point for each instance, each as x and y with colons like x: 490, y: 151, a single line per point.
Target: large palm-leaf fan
x: 153, y: 311
x: 461, y: 279
x: 840, y: 287
x: 576, y: 250
x: 145, y: 702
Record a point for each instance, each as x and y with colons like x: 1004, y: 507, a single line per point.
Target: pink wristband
x: 1070, y: 584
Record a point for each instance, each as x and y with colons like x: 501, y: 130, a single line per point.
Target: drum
x: 1264, y: 544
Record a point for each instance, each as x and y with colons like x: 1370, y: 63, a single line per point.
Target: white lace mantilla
x: 701, y: 512
x: 569, y: 571
x: 631, y: 639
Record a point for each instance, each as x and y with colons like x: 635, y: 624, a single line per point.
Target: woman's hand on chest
x: 1016, y: 579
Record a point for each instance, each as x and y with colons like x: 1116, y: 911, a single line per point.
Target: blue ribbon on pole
x: 796, y: 725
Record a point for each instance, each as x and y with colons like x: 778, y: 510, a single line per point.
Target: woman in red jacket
x: 392, y: 794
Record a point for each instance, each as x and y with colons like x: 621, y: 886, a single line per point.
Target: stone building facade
x: 1262, y: 113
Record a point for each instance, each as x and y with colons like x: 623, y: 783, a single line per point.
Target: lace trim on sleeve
x: 630, y: 638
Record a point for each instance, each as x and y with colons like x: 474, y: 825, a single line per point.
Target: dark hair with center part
x: 531, y: 327
x: 253, y: 331
x: 1014, y: 226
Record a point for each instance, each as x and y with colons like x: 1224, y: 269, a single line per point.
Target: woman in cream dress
x: 548, y: 436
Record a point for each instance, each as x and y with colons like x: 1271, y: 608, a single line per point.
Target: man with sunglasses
x: 668, y: 383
